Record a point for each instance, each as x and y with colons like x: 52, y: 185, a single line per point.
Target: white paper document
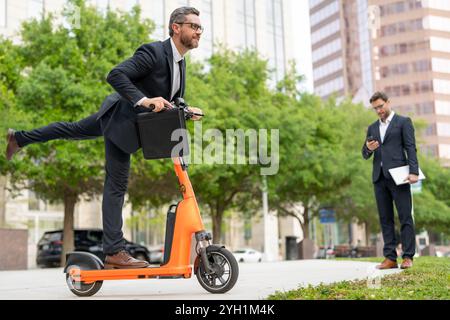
x: 399, y: 174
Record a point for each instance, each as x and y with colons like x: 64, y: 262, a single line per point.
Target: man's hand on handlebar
x: 156, y: 104
x: 196, y: 113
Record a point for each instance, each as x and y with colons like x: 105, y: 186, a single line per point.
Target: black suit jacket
x: 398, y: 148
x: 148, y: 73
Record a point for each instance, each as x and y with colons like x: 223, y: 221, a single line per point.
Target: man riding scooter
x: 147, y: 81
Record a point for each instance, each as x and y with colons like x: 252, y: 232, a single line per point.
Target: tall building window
x: 3, y: 10
x: 402, y: 26
x: 443, y: 107
x: 275, y: 37
x: 325, y: 31
x: 158, y: 15
x: 206, y: 45
x: 102, y: 5
x: 431, y: 130
x: 324, y: 13
x: 436, y: 4
x: 413, y: 88
x: 365, y: 46
x: 405, y: 47
x: 335, y: 85
x: 405, y: 68
x: 430, y: 150
x: 35, y: 8
x: 444, y: 151
x: 182, y: 3
x: 313, y: 3
x: 327, y: 50
x: 328, y: 69
x: 437, y: 23
x: 246, y: 23
x: 400, y: 6
x: 443, y: 129
x: 129, y: 4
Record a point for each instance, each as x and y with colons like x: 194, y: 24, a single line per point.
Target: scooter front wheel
x: 80, y: 288
x: 225, y: 270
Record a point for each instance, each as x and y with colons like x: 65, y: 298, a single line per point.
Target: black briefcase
x: 158, y: 134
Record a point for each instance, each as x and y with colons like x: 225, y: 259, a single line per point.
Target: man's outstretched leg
x: 117, y: 170
x: 87, y: 128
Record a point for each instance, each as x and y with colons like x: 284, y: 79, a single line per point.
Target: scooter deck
x: 89, y: 276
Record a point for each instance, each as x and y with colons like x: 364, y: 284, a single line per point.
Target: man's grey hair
x: 179, y: 16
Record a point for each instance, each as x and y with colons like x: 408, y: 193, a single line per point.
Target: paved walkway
x: 256, y: 281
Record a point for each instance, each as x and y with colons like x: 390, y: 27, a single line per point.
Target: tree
x: 10, y: 66
x: 357, y: 200
x: 312, y: 156
x: 432, y: 205
x: 234, y: 95
x: 64, y: 80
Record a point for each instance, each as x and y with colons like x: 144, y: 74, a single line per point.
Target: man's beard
x: 188, y: 42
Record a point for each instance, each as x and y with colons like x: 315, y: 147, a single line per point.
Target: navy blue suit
x: 397, y: 149
x: 148, y: 73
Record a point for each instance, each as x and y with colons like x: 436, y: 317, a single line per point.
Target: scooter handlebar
x: 179, y: 103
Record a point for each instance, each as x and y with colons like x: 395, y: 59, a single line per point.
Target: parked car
x: 248, y: 255
x: 49, y: 247
x: 326, y: 253
x: 156, y: 254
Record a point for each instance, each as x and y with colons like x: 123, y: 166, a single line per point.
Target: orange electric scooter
x: 215, y: 267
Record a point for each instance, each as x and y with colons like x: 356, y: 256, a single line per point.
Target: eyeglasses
x: 194, y: 26
x: 378, y: 107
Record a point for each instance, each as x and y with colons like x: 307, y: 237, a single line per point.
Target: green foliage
x: 64, y: 71
x: 426, y: 280
x: 10, y: 66
x: 233, y: 94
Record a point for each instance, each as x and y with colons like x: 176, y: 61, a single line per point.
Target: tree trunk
x: 217, y: 226
x: 367, y: 227
x: 68, y: 233
x: 305, y: 225
x: 2, y: 201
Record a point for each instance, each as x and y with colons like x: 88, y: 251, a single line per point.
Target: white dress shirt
x: 384, y: 126
x: 176, y: 79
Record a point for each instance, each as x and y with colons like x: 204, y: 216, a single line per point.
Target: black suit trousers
x: 387, y: 193
x: 117, y: 169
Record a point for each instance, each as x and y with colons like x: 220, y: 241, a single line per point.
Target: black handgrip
x: 189, y: 114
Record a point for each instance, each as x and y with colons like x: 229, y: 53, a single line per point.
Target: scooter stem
x: 183, y: 179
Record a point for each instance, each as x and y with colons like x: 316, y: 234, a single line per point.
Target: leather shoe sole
x: 116, y: 266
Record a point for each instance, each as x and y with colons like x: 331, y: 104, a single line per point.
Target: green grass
x: 428, y: 279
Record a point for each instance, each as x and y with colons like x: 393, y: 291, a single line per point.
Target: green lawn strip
x: 429, y: 279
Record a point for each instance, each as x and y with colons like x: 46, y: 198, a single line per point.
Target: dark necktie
x: 181, y: 65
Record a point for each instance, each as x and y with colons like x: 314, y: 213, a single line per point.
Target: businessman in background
x: 392, y: 143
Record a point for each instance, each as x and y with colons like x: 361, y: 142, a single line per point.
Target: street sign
x: 327, y: 216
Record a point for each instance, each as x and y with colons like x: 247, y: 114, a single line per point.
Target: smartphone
x: 370, y: 138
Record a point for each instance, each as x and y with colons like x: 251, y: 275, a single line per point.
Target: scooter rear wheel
x: 226, y: 271
x: 80, y: 288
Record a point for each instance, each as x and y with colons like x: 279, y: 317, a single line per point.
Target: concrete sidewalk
x: 256, y: 281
